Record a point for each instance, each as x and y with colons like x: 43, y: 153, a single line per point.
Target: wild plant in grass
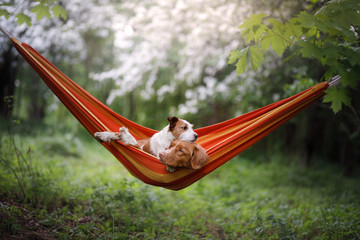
x: 19, y: 178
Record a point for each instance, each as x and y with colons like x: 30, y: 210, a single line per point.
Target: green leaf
x: 349, y: 76
x: 234, y: 55
x: 5, y: 13
x: 254, y: 19
x: 256, y: 56
x: 293, y: 29
x: 41, y: 11
x: 352, y: 17
x: 339, y: 30
x: 332, y: 51
x: 306, y: 19
x: 22, y: 18
x: 275, y: 42
x: 295, y: 53
x: 352, y: 54
x: 59, y: 12
x: 337, y: 97
x: 259, y: 31
x: 351, y: 4
x: 309, y: 50
x: 255, y: 33
x: 277, y: 26
x: 252, y: 28
x: 312, y: 32
x: 242, y: 62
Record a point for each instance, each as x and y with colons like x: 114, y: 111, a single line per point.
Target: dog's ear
x: 199, y: 158
x: 172, y: 122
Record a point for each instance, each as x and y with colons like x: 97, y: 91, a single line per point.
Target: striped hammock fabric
x: 222, y: 141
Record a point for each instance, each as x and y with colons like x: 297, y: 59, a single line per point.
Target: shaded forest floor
x: 63, y: 186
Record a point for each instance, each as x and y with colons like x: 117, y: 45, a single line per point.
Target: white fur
x: 126, y: 137
x: 188, y: 136
x: 107, y: 136
x: 160, y: 141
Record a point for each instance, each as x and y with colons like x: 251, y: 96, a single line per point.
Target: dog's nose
x: 195, y: 136
x: 161, y: 155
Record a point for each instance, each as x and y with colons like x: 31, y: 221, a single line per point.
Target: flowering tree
x: 168, y: 47
x: 172, y: 54
x: 190, y: 39
x: 64, y: 36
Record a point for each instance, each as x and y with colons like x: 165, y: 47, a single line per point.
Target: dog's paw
x: 170, y: 169
x: 124, y: 130
x: 101, y: 137
x: 126, y: 137
x: 98, y: 136
x: 106, y: 136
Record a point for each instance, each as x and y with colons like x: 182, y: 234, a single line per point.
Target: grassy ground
x: 64, y: 187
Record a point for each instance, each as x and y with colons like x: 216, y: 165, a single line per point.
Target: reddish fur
x: 144, y: 144
x: 184, y: 154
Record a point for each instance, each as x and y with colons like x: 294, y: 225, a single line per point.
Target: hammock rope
x: 222, y: 141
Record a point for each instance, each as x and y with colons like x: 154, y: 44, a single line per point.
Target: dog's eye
x: 184, y: 127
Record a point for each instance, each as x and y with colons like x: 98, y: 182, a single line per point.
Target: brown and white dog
x: 184, y: 155
x: 174, y: 145
x: 159, y: 142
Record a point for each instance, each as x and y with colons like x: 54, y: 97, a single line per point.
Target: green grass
x: 74, y: 189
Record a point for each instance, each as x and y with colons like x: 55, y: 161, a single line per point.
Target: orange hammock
x: 222, y: 141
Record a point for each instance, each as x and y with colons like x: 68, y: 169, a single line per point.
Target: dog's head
x: 182, y: 129
x: 185, y: 155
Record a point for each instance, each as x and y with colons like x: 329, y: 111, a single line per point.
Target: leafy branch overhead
x: 42, y: 8
x: 330, y: 36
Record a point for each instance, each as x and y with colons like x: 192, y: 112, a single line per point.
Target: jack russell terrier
x: 158, y: 145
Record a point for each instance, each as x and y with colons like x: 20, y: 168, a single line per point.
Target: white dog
x: 177, y: 129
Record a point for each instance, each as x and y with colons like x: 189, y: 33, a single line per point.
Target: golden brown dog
x: 183, y: 154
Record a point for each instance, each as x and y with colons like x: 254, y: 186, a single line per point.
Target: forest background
x: 148, y: 60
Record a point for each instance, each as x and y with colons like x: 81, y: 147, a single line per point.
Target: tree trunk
x: 8, y: 67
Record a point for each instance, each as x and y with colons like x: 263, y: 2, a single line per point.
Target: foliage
x: 28, y: 185
x: 42, y: 8
x: 151, y: 59
x: 330, y: 36
x: 337, y: 96
x: 91, y: 196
